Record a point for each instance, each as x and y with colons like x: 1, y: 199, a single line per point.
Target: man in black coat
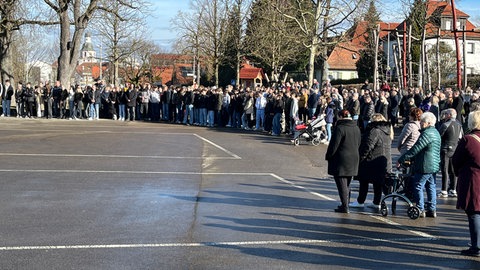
x: 131, y: 98
x: 343, y: 157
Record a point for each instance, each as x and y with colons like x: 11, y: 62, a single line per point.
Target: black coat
x: 342, y: 153
x: 131, y: 97
x: 375, y: 152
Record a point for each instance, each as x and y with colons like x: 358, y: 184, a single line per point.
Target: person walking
x: 342, y: 156
x: 425, y: 154
x: 466, y: 165
x: 450, y: 131
x: 375, y: 159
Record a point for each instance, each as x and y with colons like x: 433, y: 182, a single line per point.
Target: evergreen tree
x: 366, y: 62
x: 417, y: 19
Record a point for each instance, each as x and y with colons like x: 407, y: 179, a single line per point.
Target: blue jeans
x: 165, y: 111
x: 6, y: 107
x: 311, y: 112
x: 474, y: 227
x: 329, y: 131
x: 188, y: 112
x: 427, y: 181
x: 121, y: 111
x: 97, y: 110
x: 211, y: 118
x: 259, y: 117
x: 196, y: 115
x: 92, y: 111
x: 276, y: 127
x: 202, y: 116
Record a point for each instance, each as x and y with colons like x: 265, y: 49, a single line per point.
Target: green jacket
x: 425, y: 153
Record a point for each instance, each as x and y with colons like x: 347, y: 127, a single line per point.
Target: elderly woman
x: 375, y: 159
x: 425, y: 154
x: 410, y: 131
x: 342, y: 156
x: 466, y: 164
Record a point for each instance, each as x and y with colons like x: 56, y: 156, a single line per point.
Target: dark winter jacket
x: 7, y: 93
x: 367, y: 110
x: 131, y: 97
x: 375, y: 152
x: 450, y: 132
x: 382, y: 108
x: 342, y: 154
x: 425, y: 152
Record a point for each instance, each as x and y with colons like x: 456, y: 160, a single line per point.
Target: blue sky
x: 163, y: 33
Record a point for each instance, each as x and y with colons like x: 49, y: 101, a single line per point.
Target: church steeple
x: 88, y: 54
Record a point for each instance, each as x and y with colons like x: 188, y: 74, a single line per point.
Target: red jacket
x: 466, y: 164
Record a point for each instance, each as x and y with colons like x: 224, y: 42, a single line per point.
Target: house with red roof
x: 251, y: 76
x: 341, y: 62
x: 172, y: 69
x: 439, y: 28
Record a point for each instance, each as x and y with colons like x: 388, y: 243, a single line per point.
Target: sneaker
x: 442, y: 194
x: 452, y: 193
x: 356, y: 204
x: 422, y: 214
x: 90, y: 119
x: 470, y: 252
x: 432, y: 214
x: 373, y: 206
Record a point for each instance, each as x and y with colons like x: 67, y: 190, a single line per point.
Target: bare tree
x: 213, y: 29
x: 32, y: 48
x: 189, y: 26
x: 318, y: 18
x: 137, y: 66
x: 272, y: 39
x: 13, y: 15
x: 79, y: 13
x: 116, y: 30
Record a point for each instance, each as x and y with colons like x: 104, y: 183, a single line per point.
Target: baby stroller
x: 397, y: 187
x: 313, y: 132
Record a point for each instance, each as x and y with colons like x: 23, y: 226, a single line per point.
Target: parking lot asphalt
x: 136, y: 195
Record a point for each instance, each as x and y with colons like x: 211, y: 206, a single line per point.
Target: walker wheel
x: 413, y: 212
x: 384, y: 209
x: 316, y: 141
x: 296, y: 142
x: 394, y: 206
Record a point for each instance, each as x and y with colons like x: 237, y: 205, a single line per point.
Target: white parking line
x: 130, y: 172
x: 111, y: 156
x: 231, y: 154
x: 303, y: 188
x: 218, y: 146
x: 209, y: 244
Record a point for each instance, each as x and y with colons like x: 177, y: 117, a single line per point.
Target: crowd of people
x: 360, y: 126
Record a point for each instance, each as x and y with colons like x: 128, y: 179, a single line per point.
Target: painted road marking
x: 231, y: 154
x: 421, y: 234
x: 111, y: 156
x: 210, y: 244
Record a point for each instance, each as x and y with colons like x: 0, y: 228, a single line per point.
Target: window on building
x: 448, y: 25
x: 471, y: 48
